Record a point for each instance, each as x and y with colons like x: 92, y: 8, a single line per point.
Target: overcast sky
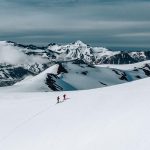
x: 108, y: 23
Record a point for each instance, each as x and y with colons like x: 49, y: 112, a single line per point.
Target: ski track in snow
x: 113, y: 118
x: 23, y: 123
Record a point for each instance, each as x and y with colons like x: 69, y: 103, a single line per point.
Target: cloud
x: 93, y: 21
x: 13, y: 55
x: 141, y: 34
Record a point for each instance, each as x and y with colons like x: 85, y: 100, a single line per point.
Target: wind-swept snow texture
x: 111, y: 118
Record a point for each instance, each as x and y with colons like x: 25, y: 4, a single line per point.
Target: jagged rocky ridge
x: 11, y: 74
x: 80, y: 50
x: 54, y: 53
x: 78, y: 75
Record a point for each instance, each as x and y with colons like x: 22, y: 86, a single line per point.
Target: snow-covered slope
x: 11, y: 74
x: 18, y: 61
x: 72, y: 51
x: 81, y: 76
x: 77, y: 75
x: 12, y: 52
x: 96, y: 55
x: 33, y: 84
x: 112, y: 118
x: 126, y: 66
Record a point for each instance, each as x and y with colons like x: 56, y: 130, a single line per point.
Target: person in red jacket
x: 64, y: 96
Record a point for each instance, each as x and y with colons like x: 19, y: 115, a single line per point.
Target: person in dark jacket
x: 58, y: 99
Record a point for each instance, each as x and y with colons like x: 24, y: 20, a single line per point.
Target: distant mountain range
x: 78, y: 75
x: 80, y: 50
x: 18, y: 61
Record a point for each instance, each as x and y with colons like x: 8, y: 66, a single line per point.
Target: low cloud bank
x: 13, y: 55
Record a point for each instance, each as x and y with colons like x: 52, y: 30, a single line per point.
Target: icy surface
x: 112, y: 118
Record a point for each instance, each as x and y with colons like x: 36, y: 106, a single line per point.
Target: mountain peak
x: 80, y: 43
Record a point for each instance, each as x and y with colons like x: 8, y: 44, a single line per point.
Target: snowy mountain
x: 81, y: 76
x: 18, y: 61
x: 96, y: 55
x: 11, y: 74
x: 76, y: 50
x: 77, y: 75
x: 111, y: 118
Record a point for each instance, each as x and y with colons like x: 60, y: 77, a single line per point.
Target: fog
x: 13, y: 55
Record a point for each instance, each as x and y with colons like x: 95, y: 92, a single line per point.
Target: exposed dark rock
x: 61, y: 69
x: 136, y: 70
x: 30, y: 46
x: 138, y: 77
x: 102, y: 83
x: 13, y: 75
x: 51, y: 82
x: 78, y: 61
x: 147, y: 66
x: 121, y: 58
x: 124, y: 77
x: 116, y: 71
x: 147, y: 72
x: 84, y: 72
x: 10, y: 74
